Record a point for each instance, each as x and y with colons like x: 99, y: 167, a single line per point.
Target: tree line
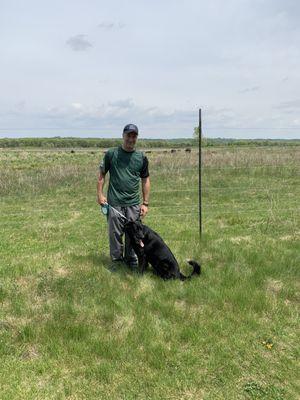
x: 73, y: 142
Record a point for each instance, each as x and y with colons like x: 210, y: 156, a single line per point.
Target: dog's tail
x: 196, y: 270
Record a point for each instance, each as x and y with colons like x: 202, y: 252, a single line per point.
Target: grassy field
x: 73, y: 327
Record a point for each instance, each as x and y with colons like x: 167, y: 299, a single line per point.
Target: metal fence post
x: 200, y: 173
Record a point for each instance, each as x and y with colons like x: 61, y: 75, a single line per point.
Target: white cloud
x: 77, y: 106
x: 251, y: 89
x: 290, y: 105
x: 108, y: 119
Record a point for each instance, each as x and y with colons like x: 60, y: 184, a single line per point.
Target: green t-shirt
x: 125, y: 172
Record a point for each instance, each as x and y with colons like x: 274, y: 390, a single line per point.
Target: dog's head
x: 135, y: 232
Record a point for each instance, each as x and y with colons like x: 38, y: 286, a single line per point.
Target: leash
x: 105, y: 209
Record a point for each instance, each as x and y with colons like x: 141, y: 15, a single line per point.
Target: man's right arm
x: 103, y: 169
x: 100, y: 185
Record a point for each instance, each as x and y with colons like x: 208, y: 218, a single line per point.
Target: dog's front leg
x: 143, y: 263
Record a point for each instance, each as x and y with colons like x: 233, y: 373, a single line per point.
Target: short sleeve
x: 105, y: 163
x: 145, y: 168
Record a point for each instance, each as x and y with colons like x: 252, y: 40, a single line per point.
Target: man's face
x: 129, y: 140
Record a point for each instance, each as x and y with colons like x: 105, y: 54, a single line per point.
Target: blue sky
x: 75, y: 68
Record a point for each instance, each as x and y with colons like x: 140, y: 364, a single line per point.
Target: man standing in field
x: 126, y: 167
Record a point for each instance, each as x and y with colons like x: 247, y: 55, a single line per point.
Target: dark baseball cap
x: 131, y: 128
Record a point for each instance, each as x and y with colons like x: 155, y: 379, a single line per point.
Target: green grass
x: 72, y: 327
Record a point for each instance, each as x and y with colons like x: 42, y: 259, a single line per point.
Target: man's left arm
x: 146, y: 194
x: 145, y: 186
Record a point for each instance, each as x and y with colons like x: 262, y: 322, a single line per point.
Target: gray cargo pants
x: 116, y: 230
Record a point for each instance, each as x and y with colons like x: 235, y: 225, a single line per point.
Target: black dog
x: 150, y: 248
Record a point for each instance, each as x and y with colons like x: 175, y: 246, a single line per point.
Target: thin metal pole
x: 200, y: 173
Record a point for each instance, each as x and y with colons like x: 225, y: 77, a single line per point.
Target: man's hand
x: 144, y: 210
x: 102, y: 200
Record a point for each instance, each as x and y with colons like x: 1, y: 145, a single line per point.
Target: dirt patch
x: 240, y: 239
x: 123, y: 324
x: 30, y: 353
x: 288, y: 238
x: 145, y: 286
x: 273, y: 286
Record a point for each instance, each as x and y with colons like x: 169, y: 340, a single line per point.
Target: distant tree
x: 196, y: 132
x: 196, y: 136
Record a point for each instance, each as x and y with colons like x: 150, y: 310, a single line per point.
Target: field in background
x: 72, y: 327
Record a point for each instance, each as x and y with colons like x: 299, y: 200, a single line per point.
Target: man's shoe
x: 115, y: 264
x: 118, y: 260
x: 133, y: 265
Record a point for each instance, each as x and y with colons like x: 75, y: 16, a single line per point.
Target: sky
x: 87, y: 68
